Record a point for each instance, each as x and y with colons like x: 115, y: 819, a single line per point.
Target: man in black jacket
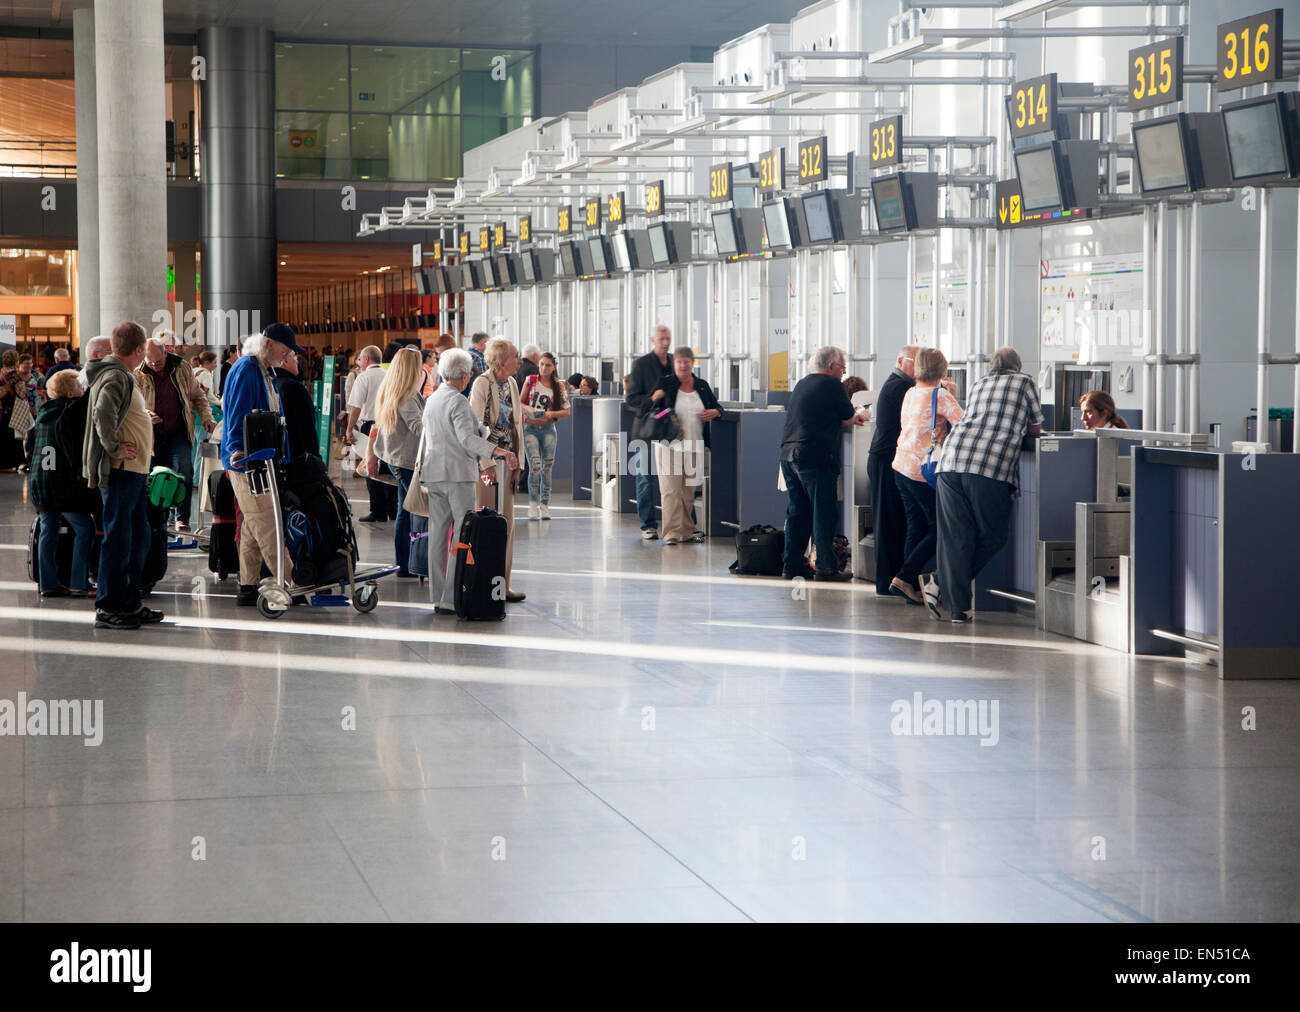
x: 646, y: 373
x: 889, y: 521
x: 300, y: 415
x: 818, y: 413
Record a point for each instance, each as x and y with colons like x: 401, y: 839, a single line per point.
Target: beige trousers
x: 257, y: 534
x: 486, y: 495
x: 675, y: 496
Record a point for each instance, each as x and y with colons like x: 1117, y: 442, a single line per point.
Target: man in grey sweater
x: 115, y: 459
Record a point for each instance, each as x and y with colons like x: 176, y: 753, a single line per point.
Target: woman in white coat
x: 454, y: 442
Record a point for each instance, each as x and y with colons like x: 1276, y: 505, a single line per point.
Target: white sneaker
x: 532, y: 512
x: 930, y: 594
x: 649, y: 534
x: 672, y: 541
x: 546, y: 512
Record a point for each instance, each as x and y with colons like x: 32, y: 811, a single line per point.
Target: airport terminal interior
x: 1089, y: 203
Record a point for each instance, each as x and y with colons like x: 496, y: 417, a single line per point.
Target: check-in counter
x: 1008, y: 581
x: 743, y: 468
x: 579, y: 433
x: 1214, y: 536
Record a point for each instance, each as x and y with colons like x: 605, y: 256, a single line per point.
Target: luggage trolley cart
x: 276, y: 594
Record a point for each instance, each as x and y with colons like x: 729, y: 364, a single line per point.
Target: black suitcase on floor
x: 155, y: 563
x: 67, y: 537
x: 760, y: 551
x: 480, y: 574
x: 223, y: 553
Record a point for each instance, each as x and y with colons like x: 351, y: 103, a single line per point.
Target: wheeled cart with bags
x: 317, y: 526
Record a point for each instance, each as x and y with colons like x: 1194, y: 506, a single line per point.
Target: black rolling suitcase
x: 480, y: 573
x: 481, y: 566
x: 760, y: 551
x: 155, y: 563
x: 223, y: 553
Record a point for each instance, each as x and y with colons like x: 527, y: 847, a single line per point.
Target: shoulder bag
x: 930, y: 469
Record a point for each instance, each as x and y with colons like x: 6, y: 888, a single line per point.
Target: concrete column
x: 131, y: 108
x: 185, y: 255
x: 83, y: 56
x: 237, y: 166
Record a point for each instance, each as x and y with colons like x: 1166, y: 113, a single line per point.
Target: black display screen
x: 888, y: 197
x: 817, y: 211
x: 724, y: 233
x: 1160, y: 156
x: 1256, y: 146
x: 1040, y: 186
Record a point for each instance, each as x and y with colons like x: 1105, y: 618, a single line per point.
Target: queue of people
x: 441, y: 420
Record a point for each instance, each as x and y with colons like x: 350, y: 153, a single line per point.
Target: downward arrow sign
x: 1002, y: 210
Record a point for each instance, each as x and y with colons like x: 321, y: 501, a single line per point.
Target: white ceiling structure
x: 461, y: 22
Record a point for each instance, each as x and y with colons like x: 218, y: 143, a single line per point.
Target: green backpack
x: 166, y: 487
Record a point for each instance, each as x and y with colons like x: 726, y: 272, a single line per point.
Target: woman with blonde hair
x: 929, y: 411
x: 395, y: 439
x: 494, y: 398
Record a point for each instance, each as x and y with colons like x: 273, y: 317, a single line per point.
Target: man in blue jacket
x: 250, y: 386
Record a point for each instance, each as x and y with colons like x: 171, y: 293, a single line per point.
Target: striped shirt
x: 986, y: 441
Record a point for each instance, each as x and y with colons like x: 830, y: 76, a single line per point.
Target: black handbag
x: 657, y: 425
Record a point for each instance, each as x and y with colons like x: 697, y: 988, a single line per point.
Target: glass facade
x: 35, y: 272
x: 402, y: 113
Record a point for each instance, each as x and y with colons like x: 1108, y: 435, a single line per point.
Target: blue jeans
x: 922, y: 534
x: 177, y: 452
x: 83, y: 527
x: 812, y: 508
x: 641, y: 467
x: 126, y: 542
x: 539, y: 446
x: 402, y: 529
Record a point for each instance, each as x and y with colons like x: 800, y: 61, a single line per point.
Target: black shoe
x: 960, y: 617
x: 370, y: 518
x: 247, y: 596
x: 844, y: 577
x: 57, y: 592
x: 405, y: 574
x: 148, y: 616
x: 807, y: 574
x: 440, y: 610
x: 112, y: 620
x: 300, y: 599
x: 515, y: 596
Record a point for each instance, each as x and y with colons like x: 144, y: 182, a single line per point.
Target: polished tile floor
x: 646, y: 738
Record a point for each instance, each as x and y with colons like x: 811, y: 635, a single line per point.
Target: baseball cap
x: 283, y: 333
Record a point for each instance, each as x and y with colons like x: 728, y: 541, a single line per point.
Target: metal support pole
x: 1148, y: 317
x: 873, y: 318
x: 1295, y: 398
x: 1194, y: 322
x: 1265, y: 263
x: 909, y: 293
x: 1180, y: 317
x: 854, y: 341
x: 1161, y: 282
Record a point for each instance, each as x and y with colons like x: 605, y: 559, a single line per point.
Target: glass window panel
x: 424, y: 147
x: 393, y: 79
x: 370, y: 144
x: 484, y: 90
x: 311, y: 145
x: 311, y: 76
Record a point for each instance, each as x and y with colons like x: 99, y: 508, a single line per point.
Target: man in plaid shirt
x: 978, y: 474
